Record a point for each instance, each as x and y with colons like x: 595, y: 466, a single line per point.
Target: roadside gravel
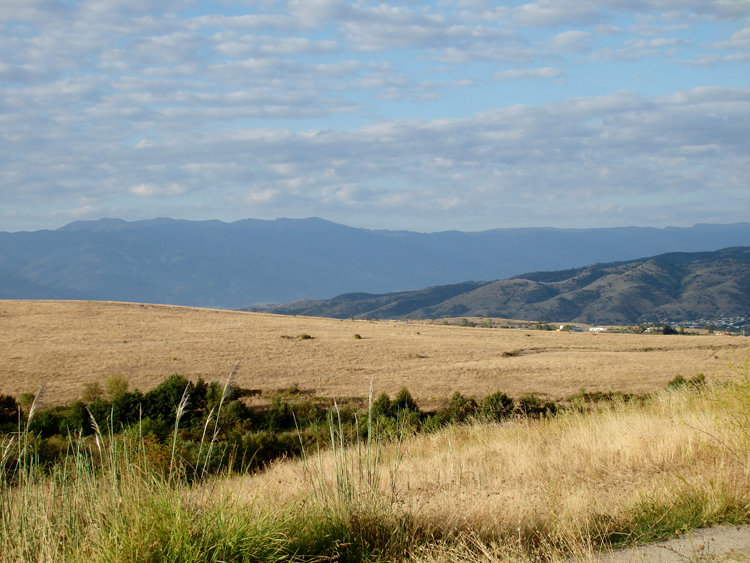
x: 720, y: 543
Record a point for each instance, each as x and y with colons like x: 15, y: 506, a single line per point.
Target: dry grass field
x: 67, y: 344
x: 564, y: 481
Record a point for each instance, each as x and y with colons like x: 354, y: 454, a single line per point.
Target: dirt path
x: 720, y: 543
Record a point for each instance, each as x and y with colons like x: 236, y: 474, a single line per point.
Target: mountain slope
x: 673, y: 286
x: 216, y: 264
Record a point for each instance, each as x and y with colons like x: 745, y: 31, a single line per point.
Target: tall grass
x: 558, y: 488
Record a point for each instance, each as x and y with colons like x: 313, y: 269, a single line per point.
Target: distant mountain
x: 674, y: 286
x: 232, y: 265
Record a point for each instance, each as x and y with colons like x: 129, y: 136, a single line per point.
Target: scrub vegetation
x: 554, y: 487
x: 189, y: 470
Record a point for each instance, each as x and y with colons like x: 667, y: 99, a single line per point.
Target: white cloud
x: 522, y: 73
x: 152, y: 190
x: 327, y: 107
x: 712, y: 60
x: 573, y: 40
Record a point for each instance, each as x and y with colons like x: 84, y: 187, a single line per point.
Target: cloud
x: 713, y: 60
x: 378, y: 109
x: 589, y: 12
x: 573, y: 41
x: 151, y: 190
x: 522, y: 73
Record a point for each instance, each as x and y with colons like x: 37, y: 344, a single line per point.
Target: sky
x: 423, y: 116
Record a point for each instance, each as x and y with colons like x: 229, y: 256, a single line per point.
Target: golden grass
x: 67, y: 344
x: 554, y: 489
x: 561, y: 484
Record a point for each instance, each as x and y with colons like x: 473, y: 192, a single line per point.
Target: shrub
x: 496, y: 406
x: 8, y: 409
x: 234, y: 412
x: 436, y: 421
x: 115, y: 385
x: 678, y: 382
x: 404, y: 402
x: 46, y: 423
x: 92, y: 392
x: 461, y: 408
x: 382, y: 406
x: 73, y: 420
x: 101, y: 411
x: 214, y: 390
x: 307, y: 412
x: 279, y: 416
x: 25, y: 400
x: 161, y: 402
x: 157, y: 429
x: 126, y: 409
x: 532, y: 405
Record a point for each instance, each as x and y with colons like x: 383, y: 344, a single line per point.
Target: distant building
x: 598, y: 329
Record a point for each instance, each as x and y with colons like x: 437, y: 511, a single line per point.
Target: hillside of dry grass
x: 66, y: 344
x: 565, y: 488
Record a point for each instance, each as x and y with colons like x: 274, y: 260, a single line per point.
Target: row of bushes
x: 247, y: 438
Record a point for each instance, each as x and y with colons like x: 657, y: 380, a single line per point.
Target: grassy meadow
x: 565, y: 488
x: 559, y: 488
x: 66, y: 345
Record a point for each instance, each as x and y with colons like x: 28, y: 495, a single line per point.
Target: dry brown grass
x: 568, y: 481
x: 69, y: 344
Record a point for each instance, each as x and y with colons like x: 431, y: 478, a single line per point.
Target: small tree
x: 25, y: 400
x: 279, y: 416
x: 92, y: 392
x: 404, y: 402
x: 126, y: 408
x: 115, y: 385
x: 382, y: 406
x: 161, y: 402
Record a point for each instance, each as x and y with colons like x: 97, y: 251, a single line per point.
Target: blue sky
x: 427, y: 116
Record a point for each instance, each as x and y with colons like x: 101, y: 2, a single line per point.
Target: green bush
x: 404, y: 402
x: 307, y: 412
x: 127, y: 409
x: 496, y: 407
x: 279, y: 416
x: 115, y: 385
x: 25, y: 400
x: 92, y: 392
x: 531, y: 405
x: 73, y: 419
x: 8, y: 410
x: 382, y: 406
x: 461, y: 408
x: 47, y: 423
x: 161, y: 402
x: 678, y: 382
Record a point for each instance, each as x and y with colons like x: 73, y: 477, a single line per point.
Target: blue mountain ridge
x: 253, y: 261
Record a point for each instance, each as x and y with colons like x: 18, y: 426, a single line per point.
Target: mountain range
x: 250, y: 262
x: 670, y: 287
